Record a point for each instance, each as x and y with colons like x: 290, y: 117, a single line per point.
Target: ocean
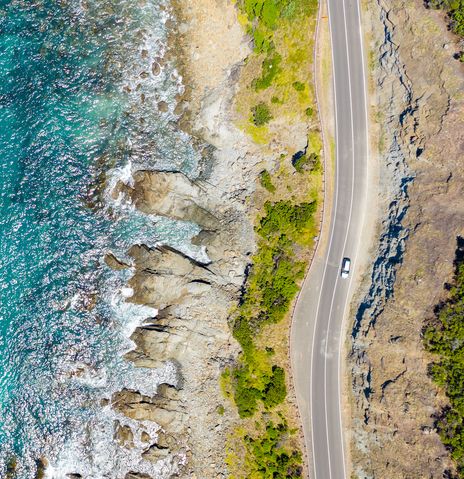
x: 79, y: 89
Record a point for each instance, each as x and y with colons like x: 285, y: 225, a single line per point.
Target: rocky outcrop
x: 193, y: 294
x: 418, y: 108
x: 173, y: 195
x: 193, y: 298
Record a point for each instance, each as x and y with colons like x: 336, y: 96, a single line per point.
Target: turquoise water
x: 71, y: 84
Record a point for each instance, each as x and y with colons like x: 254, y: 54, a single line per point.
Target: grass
x: 280, y: 66
x: 266, y: 181
x: 455, y: 9
x: 276, y: 86
x: 444, y: 337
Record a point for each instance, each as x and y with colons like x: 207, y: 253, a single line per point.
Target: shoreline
x: 195, y: 298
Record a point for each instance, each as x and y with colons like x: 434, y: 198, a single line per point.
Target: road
x: 322, y: 307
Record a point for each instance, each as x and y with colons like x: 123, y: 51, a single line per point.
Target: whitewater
x: 79, y: 88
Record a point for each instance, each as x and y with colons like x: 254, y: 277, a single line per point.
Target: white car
x: 346, y: 263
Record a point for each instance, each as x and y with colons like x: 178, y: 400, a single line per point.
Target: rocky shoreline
x: 194, y: 296
x: 419, y: 111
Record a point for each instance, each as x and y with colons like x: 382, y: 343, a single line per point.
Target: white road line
x: 366, y: 197
x: 327, y: 257
x: 363, y: 212
x: 341, y: 336
x: 340, y: 260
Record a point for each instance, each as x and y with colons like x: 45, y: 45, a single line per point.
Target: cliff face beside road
x: 417, y: 87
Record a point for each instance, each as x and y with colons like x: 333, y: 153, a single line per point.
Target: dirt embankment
x: 419, y: 107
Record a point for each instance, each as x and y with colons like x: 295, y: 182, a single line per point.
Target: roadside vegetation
x: 275, y: 87
x: 455, y: 9
x: 444, y: 337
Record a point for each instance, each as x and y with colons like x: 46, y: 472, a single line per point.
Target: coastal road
x: 322, y: 306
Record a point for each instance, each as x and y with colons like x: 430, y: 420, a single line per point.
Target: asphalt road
x: 322, y: 307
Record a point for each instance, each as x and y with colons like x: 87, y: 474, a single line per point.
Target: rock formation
x: 419, y: 108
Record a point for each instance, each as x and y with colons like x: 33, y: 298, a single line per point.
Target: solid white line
x: 327, y: 256
x: 366, y: 196
x: 340, y: 260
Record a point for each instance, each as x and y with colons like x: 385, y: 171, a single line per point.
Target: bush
x: 309, y: 111
x: 245, y: 395
x: 298, y: 86
x: 306, y: 163
x: 271, y: 286
x: 261, y: 114
x: 270, y: 69
x: 266, y: 181
x: 243, y: 334
x: 456, y: 12
x: 286, y: 218
x: 269, y: 458
x: 276, y: 391
x: 445, y: 338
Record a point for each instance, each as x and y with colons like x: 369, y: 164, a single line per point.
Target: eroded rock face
x: 174, y: 195
x: 165, y: 409
x: 194, y: 299
x: 419, y: 88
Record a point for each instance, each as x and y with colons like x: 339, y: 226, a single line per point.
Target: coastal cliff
x: 248, y: 170
x: 194, y: 295
x: 417, y: 85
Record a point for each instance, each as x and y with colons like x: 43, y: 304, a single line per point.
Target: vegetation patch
x: 280, y: 66
x: 455, y: 9
x: 275, y: 83
x: 444, y: 337
x: 266, y: 181
x: 303, y: 162
x: 267, y: 458
x: 270, y: 69
x: 257, y: 383
x: 261, y: 114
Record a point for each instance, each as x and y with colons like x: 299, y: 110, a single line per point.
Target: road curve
x: 316, y: 336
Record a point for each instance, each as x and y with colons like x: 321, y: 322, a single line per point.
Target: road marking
x: 341, y: 258
x: 345, y: 241
x: 326, y: 262
x: 366, y: 197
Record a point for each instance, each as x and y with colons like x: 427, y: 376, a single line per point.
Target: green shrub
x: 266, y: 181
x: 309, y: 111
x: 307, y: 163
x: 276, y: 391
x: 270, y: 459
x: 445, y: 338
x: 286, y: 218
x: 456, y: 12
x: 271, y: 286
x: 261, y: 114
x: 298, y: 86
x: 270, y: 69
x: 243, y: 334
x: 245, y: 395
